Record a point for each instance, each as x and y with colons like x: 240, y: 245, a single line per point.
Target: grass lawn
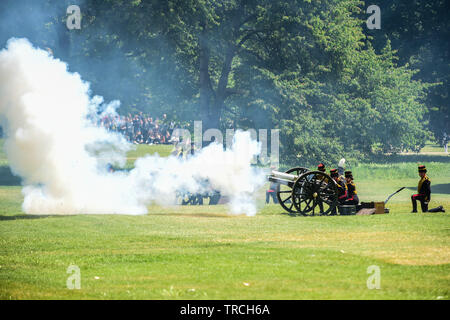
x: 432, y: 147
x: 144, y: 149
x: 201, y: 252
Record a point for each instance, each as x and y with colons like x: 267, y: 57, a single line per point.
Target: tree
x: 305, y: 67
x: 420, y: 33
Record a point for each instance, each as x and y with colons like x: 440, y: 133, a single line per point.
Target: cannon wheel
x: 314, y: 193
x: 284, y: 193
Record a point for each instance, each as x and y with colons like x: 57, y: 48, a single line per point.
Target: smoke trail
x: 61, y: 156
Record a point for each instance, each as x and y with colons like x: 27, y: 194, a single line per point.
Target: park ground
x: 202, y: 252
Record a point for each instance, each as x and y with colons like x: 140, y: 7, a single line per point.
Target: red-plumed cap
x: 334, y: 172
x: 422, y: 168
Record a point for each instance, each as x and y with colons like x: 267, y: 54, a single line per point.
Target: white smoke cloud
x: 61, y: 156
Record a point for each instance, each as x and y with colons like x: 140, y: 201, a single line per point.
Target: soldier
x: 272, y: 192
x: 352, y: 198
x: 273, y: 189
x: 321, y: 167
x: 424, y: 193
x: 423, y: 189
x: 341, y: 186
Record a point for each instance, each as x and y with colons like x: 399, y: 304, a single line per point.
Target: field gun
x: 304, y: 192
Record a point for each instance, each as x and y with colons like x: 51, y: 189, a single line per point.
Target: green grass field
x: 201, y: 252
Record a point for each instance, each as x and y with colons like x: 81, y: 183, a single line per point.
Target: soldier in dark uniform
x: 272, y: 191
x: 321, y: 167
x: 424, y: 193
x: 352, y: 198
x: 341, y: 186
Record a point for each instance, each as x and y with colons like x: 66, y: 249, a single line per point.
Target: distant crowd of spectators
x: 140, y: 128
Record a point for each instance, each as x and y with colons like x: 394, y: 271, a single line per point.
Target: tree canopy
x: 308, y: 68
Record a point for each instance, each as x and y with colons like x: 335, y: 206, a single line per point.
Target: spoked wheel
x: 314, y: 193
x: 284, y: 193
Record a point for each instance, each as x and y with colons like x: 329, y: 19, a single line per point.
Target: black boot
x: 424, y: 206
x: 414, y: 205
x: 438, y: 209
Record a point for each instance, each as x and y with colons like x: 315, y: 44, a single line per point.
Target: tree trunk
x: 206, y: 92
x: 221, y: 92
x: 212, y: 102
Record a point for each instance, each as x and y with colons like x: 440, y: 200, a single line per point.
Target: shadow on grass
x: 443, y: 188
x: 297, y: 215
x: 31, y: 216
x: 193, y: 215
x: 22, y: 216
x: 7, y: 178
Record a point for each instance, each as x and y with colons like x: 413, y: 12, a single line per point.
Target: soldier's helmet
x: 422, y: 168
x: 348, y: 174
x: 334, y: 173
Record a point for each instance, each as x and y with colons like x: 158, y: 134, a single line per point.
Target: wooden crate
x: 379, y: 207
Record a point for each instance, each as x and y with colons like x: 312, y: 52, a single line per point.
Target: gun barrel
x: 282, y: 175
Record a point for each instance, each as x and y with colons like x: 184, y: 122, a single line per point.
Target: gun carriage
x: 303, y: 192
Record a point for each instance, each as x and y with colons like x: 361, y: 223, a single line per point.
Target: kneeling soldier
x: 352, y: 198
x: 424, y: 193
